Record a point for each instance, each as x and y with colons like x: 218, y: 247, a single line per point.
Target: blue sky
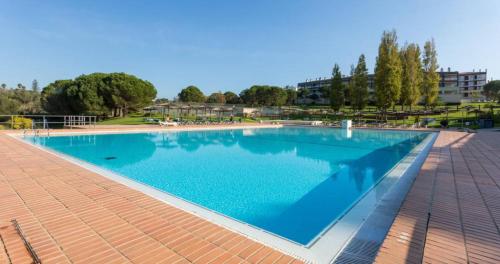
x: 221, y: 45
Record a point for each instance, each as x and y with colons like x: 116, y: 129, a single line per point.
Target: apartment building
x: 454, y: 87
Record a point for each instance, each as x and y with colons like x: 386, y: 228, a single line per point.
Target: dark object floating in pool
x: 110, y: 158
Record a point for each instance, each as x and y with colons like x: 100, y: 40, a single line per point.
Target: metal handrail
x: 43, y: 121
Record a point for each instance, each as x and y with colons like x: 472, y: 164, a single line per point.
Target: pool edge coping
x: 314, y: 253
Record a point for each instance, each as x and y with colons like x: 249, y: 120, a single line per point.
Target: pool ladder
x: 35, y: 132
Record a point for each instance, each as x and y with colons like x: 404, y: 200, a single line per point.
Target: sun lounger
x: 166, y: 123
x: 316, y: 123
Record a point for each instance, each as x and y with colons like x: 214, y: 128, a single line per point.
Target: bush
x: 21, y: 123
x: 444, y: 123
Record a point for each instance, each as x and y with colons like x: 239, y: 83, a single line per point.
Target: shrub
x: 444, y: 123
x: 21, y: 123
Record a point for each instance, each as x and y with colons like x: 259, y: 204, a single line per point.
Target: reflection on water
x: 137, y: 147
x: 290, y: 181
x: 325, y: 196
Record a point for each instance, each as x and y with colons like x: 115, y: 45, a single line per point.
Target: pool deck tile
x: 12, y: 248
x: 72, y: 215
x: 452, y: 212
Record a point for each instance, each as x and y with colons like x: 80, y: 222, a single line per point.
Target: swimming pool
x: 293, y: 182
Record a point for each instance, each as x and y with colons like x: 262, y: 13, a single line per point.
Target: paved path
x: 72, y: 215
x: 452, y: 212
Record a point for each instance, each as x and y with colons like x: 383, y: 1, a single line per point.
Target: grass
x: 457, y: 115
x: 455, y: 118
x: 124, y: 121
x: 132, y: 119
x: 140, y: 119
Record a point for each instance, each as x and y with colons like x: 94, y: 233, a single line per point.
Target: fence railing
x: 46, y: 121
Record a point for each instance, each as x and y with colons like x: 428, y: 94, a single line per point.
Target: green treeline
x: 403, y: 76
x: 19, y: 100
x: 112, y: 94
x: 257, y: 95
x: 105, y: 94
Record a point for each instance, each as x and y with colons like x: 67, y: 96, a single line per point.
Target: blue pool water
x: 291, y: 181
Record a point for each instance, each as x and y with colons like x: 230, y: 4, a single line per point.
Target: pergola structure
x: 179, y: 110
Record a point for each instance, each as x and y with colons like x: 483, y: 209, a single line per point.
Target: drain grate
x: 359, y: 251
x: 363, y: 248
x: 347, y: 258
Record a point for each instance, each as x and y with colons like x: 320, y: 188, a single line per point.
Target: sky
x: 222, y: 45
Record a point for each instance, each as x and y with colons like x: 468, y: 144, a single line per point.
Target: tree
x: 492, y: 90
x: 326, y: 91
x: 388, y: 72
x: 7, y: 104
x: 121, y: 92
x: 359, y: 87
x: 270, y: 95
x: 191, y: 94
x: 112, y: 94
x: 248, y: 96
x: 291, y: 98
x: 231, y: 98
x: 216, y: 98
x: 264, y: 95
x: 412, y: 75
x: 350, y: 86
x: 19, y: 100
x: 54, y: 97
x: 303, y: 93
x: 161, y: 100
x: 337, y: 89
x: 430, y: 85
x: 34, y: 86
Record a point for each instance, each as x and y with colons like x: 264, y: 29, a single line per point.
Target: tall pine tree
x: 337, y: 89
x: 430, y: 86
x: 412, y: 75
x: 359, y: 93
x: 34, y: 86
x: 388, y: 72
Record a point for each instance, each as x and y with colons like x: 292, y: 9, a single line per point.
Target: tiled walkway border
x: 452, y: 212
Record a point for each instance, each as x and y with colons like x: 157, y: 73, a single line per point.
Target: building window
x: 475, y: 77
x: 466, y: 95
x: 466, y: 78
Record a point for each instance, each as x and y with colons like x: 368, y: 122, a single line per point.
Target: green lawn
x: 123, y: 121
x: 139, y: 119
x: 455, y: 118
x: 133, y: 119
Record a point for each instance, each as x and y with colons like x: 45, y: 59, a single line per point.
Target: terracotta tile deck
x: 452, y: 212
x: 72, y: 215
x: 12, y: 248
